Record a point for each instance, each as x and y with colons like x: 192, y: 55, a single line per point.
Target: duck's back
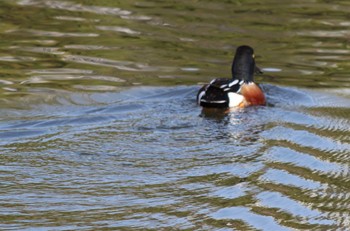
x: 216, y: 93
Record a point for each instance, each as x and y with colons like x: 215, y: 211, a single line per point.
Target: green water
x: 99, y: 128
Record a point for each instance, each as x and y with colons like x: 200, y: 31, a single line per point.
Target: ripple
x: 49, y: 78
x: 190, y: 69
x: 254, y: 220
x: 281, y: 177
x: 69, y: 18
x: 80, y: 146
x: 60, y: 71
x: 118, y: 29
x: 89, y: 47
x: 206, y: 175
x: 122, y: 65
x: 137, y: 17
x: 57, y: 34
x: 65, y: 5
x: 288, y: 97
x: 271, y: 69
x: 154, y: 221
x: 287, y: 155
x: 44, y: 50
x: 240, y: 170
x: 17, y: 59
x: 19, y: 134
x: 232, y: 192
x: 277, y: 200
x: 305, y: 138
x: 6, y: 82
x: 325, y: 33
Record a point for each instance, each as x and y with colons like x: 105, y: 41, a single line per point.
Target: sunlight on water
x: 99, y: 128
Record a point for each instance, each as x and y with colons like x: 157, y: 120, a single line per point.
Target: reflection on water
x: 170, y: 43
x: 85, y: 144
x: 129, y: 160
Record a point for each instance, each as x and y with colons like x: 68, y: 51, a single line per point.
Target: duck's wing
x: 216, y: 93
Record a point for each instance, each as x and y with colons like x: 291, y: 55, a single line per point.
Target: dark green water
x: 99, y: 128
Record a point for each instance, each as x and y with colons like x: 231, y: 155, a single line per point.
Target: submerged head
x: 243, y: 65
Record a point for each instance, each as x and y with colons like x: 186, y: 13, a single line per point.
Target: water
x: 99, y: 128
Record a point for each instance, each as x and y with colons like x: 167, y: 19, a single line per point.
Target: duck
x: 239, y: 91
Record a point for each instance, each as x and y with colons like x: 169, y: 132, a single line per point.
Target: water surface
x: 99, y: 128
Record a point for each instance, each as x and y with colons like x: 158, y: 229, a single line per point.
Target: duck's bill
x: 258, y: 70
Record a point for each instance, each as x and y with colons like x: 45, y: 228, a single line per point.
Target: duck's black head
x: 243, y: 64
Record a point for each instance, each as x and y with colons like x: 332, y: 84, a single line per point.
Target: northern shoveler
x: 240, y: 90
